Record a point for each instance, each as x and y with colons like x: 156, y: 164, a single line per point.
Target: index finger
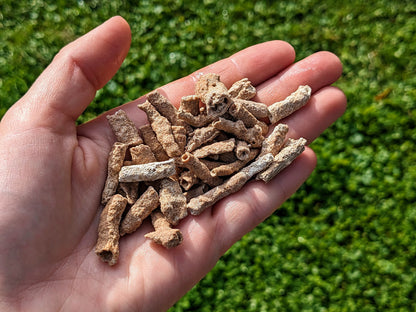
x: 258, y: 63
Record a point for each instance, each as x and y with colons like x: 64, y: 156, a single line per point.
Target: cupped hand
x: 52, y: 173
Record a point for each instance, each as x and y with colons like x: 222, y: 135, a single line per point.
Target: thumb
x: 68, y: 85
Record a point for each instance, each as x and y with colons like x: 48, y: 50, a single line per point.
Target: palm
x: 64, y: 172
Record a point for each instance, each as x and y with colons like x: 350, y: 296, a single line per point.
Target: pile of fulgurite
x: 186, y: 160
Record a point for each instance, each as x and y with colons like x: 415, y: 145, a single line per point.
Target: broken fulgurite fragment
x: 214, y: 94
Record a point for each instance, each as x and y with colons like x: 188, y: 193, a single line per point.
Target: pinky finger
x: 241, y: 212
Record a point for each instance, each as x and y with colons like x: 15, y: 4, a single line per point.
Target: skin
x: 52, y: 174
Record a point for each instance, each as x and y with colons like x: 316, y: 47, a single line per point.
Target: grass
x: 346, y: 240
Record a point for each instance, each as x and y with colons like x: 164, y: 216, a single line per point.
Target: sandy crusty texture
x: 179, y: 133
x: 259, y: 110
x: 274, y: 142
x: 214, y: 94
x: 252, y: 136
x: 211, y: 164
x: 196, y: 191
x: 232, y: 167
x: 114, y: 165
x: 148, y: 172
x: 107, y: 247
x: 129, y: 190
x: 201, y: 136
x: 190, y: 104
x: 240, y: 112
x: 289, y: 105
x: 284, y: 158
x: 215, y: 148
x: 187, y: 179
x: 162, y: 128
x: 242, y: 150
x: 141, y: 209
x: 164, y: 107
x: 150, y: 139
x: 200, y: 120
x: 198, y: 204
x: 164, y: 235
x: 199, y: 169
x: 172, y: 201
x: 141, y: 154
x: 124, y: 129
x: 242, y: 89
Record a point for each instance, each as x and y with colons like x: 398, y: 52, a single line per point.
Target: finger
x: 68, y: 84
x: 257, y: 63
x: 209, y: 235
x: 317, y: 70
x: 243, y: 211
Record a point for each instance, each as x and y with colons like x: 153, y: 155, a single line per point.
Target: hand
x: 52, y: 174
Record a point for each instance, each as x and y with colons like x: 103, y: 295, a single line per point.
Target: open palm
x: 52, y: 174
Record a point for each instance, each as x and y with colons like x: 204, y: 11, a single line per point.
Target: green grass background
x: 346, y: 240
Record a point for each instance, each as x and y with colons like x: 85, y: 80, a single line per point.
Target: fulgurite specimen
x: 186, y: 160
